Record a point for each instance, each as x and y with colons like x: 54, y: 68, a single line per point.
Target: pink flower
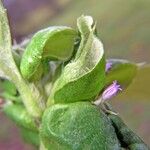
x: 108, y: 66
x: 111, y: 91
x: 108, y: 93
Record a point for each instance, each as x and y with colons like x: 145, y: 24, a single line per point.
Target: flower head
x: 108, y: 93
x: 108, y: 66
x: 111, y: 91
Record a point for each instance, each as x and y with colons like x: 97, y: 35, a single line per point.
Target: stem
x: 98, y: 101
x: 42, y: 147
x: 31, y: 96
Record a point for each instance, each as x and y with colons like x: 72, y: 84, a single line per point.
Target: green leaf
x: 122, y: 70
x: 9, y: 87
x: 17, y: 58
x: 30, y: 136
x: 126, y: 135
x: 20, y: 116
x: 9, y: 97
x: 53, y: 43
x: 77, y: 126
x: 84, y: 76
x: 9, y: 91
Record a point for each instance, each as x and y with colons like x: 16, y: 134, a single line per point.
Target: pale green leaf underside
x: 84, y: 76
x: 53, y: 43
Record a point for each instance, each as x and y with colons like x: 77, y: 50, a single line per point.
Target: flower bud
x: 111, y: 91
x: 108, y: 66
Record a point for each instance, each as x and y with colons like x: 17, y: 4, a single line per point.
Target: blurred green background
x: 124, y: 28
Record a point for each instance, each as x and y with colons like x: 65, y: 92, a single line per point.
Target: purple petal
x: 108, y: 66
x: 111, y: 91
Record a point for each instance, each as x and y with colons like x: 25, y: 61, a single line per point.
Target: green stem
x: 42, y: 147
x: 31, y: 96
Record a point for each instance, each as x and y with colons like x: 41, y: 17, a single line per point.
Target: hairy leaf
x: 122, y: 70
x: 30, y: 136
x: 77, y: 126
x: 9, y: 87
x: 126, y: 136
x: 84, y: 76
x: 9, y: 91
x: 20, y: 116
x: 53, y: 43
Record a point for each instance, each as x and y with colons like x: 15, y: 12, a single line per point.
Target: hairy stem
x: 31, y: 96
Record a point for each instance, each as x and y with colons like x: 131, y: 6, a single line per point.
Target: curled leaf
x: 53, y: 43
x: 84, y: 76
